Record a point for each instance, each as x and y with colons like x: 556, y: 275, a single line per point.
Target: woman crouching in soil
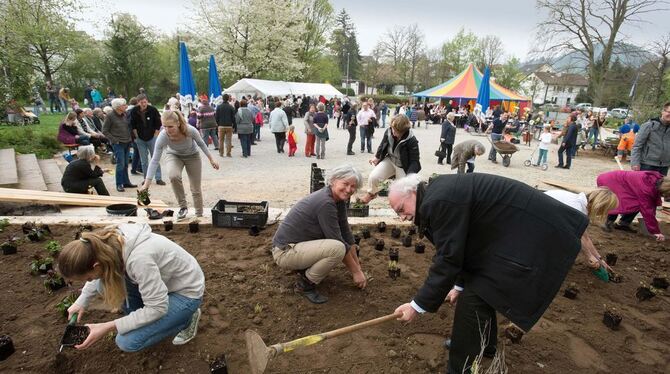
x: 315, y: 235
x: 397, y: 155
x: 594, y: 205
x: 158, y: 285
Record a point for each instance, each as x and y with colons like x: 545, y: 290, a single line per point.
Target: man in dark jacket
x: 497, y: 129
x: 225, y: 119
x: 447, y: 138
x: 651, y: 150
x: 568, y: 143
x: 397, y: 155
x: 145, y: 122
x: 467, y: 217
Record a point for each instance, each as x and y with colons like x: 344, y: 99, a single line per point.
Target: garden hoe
x: 260, y: 354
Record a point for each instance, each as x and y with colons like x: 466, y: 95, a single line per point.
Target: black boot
x: 308, y: 289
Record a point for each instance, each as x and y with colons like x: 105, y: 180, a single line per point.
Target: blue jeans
x: 146, y: 148
x: 84, y: 140
x: 365, y: 138
x: 245, y: 140
x: 63, y: 105
x: 594, y: 132
x: 257, y: 132
x: 136, y: 161
x: 210, y: 133
x: 493, y: 153
x: 121, y: 151
x: 180, y: 310
x: 542, y: 159
x: 383, y: 120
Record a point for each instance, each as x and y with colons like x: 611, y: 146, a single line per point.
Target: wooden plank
x: 64, y: 198
x: 567, y: 186
x: 30, y: 175
x: 52, y: 174
x: 9, y: 175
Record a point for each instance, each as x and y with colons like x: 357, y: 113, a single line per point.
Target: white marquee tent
x: 264, y: 88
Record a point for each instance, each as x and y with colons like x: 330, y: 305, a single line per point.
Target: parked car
x: 550, y: 107
x: 618, y: 113
x: 584, y: 107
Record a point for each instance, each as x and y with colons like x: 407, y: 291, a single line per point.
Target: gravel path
x: 281, y: 180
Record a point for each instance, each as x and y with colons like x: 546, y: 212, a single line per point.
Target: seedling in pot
x: 611, y: 259
x: 395, y: 233
x: 419, y: 247
x: 168, y: 225
x: 28, y: 227
x: 411, y: 230
x: 53, y: 247
x: 53, y: 282
x: 75, y: 335
x: 219, y: 366
x: 365, y: 233
x: 66, y: 303
x: 407, y: 241
x: 513, y: 333
x: 3, y: 224
x: 9, y: 247
x: 46, y: 229
x: 615, y: 278
x: 571, y: 292
x: 36, y: 235
x: 254, y: 230
x: 381, y: 227
x: 193, y: 227
x: 611, y: 319
x: 644, y: 293
x: 41, y: 265
x: 393, y: 254
x: 660, y: 282
x: 6, y: 347
x: 394, y: 270
x: 143, y: 197
x: 379, y: 244
x: 357, y: 239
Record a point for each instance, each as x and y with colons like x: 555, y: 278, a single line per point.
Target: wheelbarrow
x: 505, y: 149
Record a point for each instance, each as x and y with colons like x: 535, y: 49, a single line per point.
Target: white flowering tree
x: 252, y: 38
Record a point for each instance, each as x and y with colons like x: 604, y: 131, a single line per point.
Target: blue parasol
x: 186, y: 83
x: 484, y: 95
x: 214, y: 85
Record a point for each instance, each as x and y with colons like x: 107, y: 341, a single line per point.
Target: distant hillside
x: 573, y: 62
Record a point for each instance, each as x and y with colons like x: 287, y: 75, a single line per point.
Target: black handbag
x: 440, y: 153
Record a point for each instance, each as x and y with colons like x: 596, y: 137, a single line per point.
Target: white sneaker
x: 187, y: 334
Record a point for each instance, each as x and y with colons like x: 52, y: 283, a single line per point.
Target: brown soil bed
x: 571, y: 336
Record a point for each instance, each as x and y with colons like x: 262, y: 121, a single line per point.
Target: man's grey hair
x: 118, y: 102
x: 107, y: 109
x: 320, y: 107
x: 87, y: 110
x: 480, y: 147
x: 86, y: 152
x: 451, y: 116
x: 346, y: 171
x: 406, y: 185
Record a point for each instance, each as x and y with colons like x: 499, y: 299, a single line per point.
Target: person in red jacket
x: 292, y: 141
x: 638, y: 192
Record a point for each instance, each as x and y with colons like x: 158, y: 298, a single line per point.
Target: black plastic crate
x: 232, y: 214
x: 316, y: 178
x: 357, y: 212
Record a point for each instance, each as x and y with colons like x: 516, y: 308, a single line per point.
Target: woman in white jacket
x: 156, y: 282
x: 279, y: 125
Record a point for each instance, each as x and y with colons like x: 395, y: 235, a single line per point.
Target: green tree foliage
x: 344, y: 46
x: 130, y: 54
x: 457, y: 53
x: 509, y: 75
x: 319, y: 22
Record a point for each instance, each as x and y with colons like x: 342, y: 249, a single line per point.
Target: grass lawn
x: 38, y: 139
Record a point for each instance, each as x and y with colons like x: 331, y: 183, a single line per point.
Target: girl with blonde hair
x: 594, y: 204
x: 180, y: 142
x: 158, y: 285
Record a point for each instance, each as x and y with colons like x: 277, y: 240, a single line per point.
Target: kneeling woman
x: 84, y: 173
x: 156, y: 282
x: 397, y: 155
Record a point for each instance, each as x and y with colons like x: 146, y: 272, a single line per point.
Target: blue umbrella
x: 214, y: 85
x: 484, y: 95
x: 186, y: 83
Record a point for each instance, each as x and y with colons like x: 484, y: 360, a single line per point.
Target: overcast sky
x: 514, y: 24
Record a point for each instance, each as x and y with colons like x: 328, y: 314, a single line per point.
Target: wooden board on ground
x: 64, y: 198
x: 9, y: 175
x: 567, y: 186
x: 30, y: 175
x: 52, y: 174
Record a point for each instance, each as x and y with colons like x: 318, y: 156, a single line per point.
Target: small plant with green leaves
x: 53, y: 247
x: 3, y: 224
x: 394, y: 270
x: 53, y: 281
x: 66, y: 303
x: 41, y: 265
x: 143, y: 197
x: 258, y: 308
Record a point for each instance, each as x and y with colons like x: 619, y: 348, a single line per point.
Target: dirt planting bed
x: 246, y: 290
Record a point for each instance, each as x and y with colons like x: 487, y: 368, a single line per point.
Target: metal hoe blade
x: 258, y: 352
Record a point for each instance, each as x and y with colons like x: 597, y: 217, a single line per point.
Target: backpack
x: 259, y: 119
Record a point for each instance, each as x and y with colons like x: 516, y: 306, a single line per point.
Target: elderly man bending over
x: 465, y: 153
x: 315, y: 236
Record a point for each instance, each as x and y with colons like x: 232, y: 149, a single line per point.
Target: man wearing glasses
x: 651, y: 150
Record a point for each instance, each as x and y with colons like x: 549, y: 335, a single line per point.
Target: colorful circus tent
x: 464, y: 89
